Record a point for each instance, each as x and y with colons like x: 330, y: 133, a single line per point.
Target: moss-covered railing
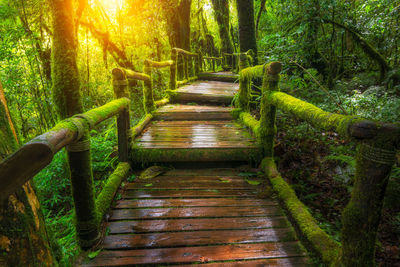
x: 377, y: 143
x: 231, y: 61
x: 191, y: 63
x: 213, y: 63
x: 73, y: 134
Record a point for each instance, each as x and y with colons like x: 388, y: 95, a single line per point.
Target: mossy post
x: 200, y: 61
x: 267, y: 130
x: 68, y: 98
x: 186, y: 66
x: 244, y: 86
x: 361, y: 217
x: 172, y: 73
x: 197, y: 67
x: 120, y: 84
x: 213, y: 64
x: 148, y: 99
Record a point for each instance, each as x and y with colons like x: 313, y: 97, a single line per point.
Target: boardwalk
x: 211, y: 216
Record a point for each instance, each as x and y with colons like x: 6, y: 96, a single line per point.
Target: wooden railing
x: 235, y: 61
x: 377, y: 143
x: 72, y: 133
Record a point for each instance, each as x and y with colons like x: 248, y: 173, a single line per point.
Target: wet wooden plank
x: 180, y: 123
x: 194, y: 212
x: 210, y: 202
x: 196, y: 238
x: 188, y: 184
x: 196, y: 178
x: 204, y: 172
x: 145, y: 226
x: 190, y: 193
x: 285, y: 262
x: 200, y: 144
x: 191, y: 112
x: 199, y: 254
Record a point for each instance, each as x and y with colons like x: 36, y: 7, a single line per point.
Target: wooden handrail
x: 377, y: 143
x: 35, y: 155
x: 157, y: 64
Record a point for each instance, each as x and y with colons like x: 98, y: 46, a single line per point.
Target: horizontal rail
x: 182, y: 51
x: 130, y: 74
x: 35, y: 155
x: 157, y: 64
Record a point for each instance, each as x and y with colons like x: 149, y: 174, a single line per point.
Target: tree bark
x: 247, y: 33
x: 23, y: 235
x: 67, y: 96
x: 221, y: 14
x: 178, y: 22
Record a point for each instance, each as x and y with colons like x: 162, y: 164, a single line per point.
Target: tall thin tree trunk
x: 221, y: 14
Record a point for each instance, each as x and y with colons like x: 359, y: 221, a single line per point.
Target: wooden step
x: 183, y: 225
x: 223, y: 76
x: 213, y: 92
x: 190, y: 112
x: 173, y: 141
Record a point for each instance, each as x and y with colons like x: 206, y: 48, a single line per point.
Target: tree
x: 178, y: 22
x: 23, y: 236
x: 247, y: 33
x: 67, y: 96
x: 221, y: 14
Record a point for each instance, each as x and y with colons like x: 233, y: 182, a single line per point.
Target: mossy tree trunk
x: 178, y: 22
x: 247, y: 31
x: 67, y: 96
x: 221, y: 14
x: 23, y: 236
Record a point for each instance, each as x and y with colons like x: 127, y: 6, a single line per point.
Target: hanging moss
x: 316, y: 238
x: 104, y: 200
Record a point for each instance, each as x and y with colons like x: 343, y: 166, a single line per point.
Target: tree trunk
x: 247, y: 33
x: 67, y: 96
x: 221, y: 14
x: 23, y: 236
x: 178, y: 22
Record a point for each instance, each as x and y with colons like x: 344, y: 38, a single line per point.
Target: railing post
x: 148, y: 99
x: 197, y: 65
x: 244, y: 86
x: 213, y: 64
x: 120, y: 84
x: 172, y: 73
x: 201, y: 69
x: 361, y: 217
x: 186, y: 65
x: 267, y: 130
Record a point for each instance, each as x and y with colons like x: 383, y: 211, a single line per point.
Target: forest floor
x: 320, y: 167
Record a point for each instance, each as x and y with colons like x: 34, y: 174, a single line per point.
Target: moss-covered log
x: 315, y: 237
x: 136, y: 130
x: 106, y: 196
x: 158, y: 64
x: 161, y: 102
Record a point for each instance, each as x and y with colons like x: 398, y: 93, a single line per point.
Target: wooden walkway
x: 211, y: 216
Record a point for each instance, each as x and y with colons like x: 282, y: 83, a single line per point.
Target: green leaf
x: 94, y: 254
x: 225, y: 180
x: 148, y: 185
x: 253, y: 182
x: 131, y: 178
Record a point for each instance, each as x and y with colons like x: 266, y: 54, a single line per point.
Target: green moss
x: 104, y: 200
x: 141, y: 155
x: 319, y: 241
x: 248, y: 120
x: 252, y: 72
x: 314, y: 115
